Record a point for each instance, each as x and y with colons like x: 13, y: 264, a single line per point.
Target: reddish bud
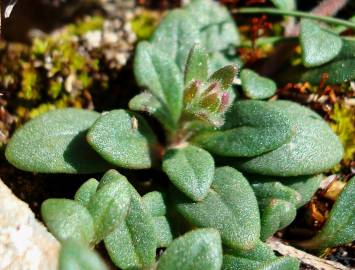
x: 224, y: 102
x: 191, y: 91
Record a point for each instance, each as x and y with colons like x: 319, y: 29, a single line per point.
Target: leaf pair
x: 55, y: 143
x: 230, y: 206
x: 94, y: 214
x: 112, y: 211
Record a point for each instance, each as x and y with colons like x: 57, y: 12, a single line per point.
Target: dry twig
x: 306, y: 258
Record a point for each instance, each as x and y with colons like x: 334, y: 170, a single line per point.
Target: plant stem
x: 275, y: 11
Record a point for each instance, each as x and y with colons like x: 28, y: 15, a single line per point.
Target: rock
x: 25, y: 244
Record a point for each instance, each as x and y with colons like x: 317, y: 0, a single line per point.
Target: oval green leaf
x: 55, y: 142
x: 123, y: 139
x: 75, y: 256
x: 255, y: 86
x: 197, y: 250
x: 190, y: 169
x: 275, y: 215
x: 319, y: 46
x: 231, y: 200
x: 313, y: 149
x: 68, y: 219
x: 159, y: 73
x: 252, y: 128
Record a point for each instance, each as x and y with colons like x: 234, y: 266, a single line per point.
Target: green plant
x: 281, y: 147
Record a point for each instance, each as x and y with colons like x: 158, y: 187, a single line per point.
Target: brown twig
x: 306, y: 258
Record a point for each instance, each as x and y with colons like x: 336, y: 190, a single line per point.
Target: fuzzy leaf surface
x: 155, y: 203
x: 340, y: 226
x: 75, y: 256
x: 197, y: 65
x: 175, y: 36
x: 247, y: 259
x: 318, y: 45
x: 314, y: 147
x: 217, y: 29
x: 230, y: 206
x: 251, y: 128
x: 224, y: 76
x: 109, y: 206
x: 261, y: 253
x: 123, y: 139
x: 303, y: 187
x: 275, y: 215
x: 159, y: 73
x: 55, y: 142
x: 146, y: 102
x: 196, y: 250
x: 275, y: 190
x: 68, y: 219
x: 163, y: 231
x: 339, y: 70
x: 282, y: 263
x: 86, y: 191
x: 255, y: 86
x: 190, y: 169
x: 133, y: 243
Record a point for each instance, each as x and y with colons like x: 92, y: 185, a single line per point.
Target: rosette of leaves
x: 201, y: 122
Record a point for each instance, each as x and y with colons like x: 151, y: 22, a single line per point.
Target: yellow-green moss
x: 343, y: 124
x: 144, y: 24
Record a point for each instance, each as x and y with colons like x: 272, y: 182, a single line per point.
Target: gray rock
x: 25, y: 244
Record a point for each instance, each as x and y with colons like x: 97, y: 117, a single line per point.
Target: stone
x: 25, y: 244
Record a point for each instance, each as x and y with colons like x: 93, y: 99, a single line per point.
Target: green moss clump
x: 144, y: 24
x: 58, y: 64
x: 343, y: 119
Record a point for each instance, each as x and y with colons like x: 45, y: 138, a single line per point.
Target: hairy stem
x: 274, y: 11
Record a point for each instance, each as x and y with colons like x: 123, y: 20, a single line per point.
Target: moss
x: 343, y: 119
x: 81, y: 28
x: 144, y: 24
